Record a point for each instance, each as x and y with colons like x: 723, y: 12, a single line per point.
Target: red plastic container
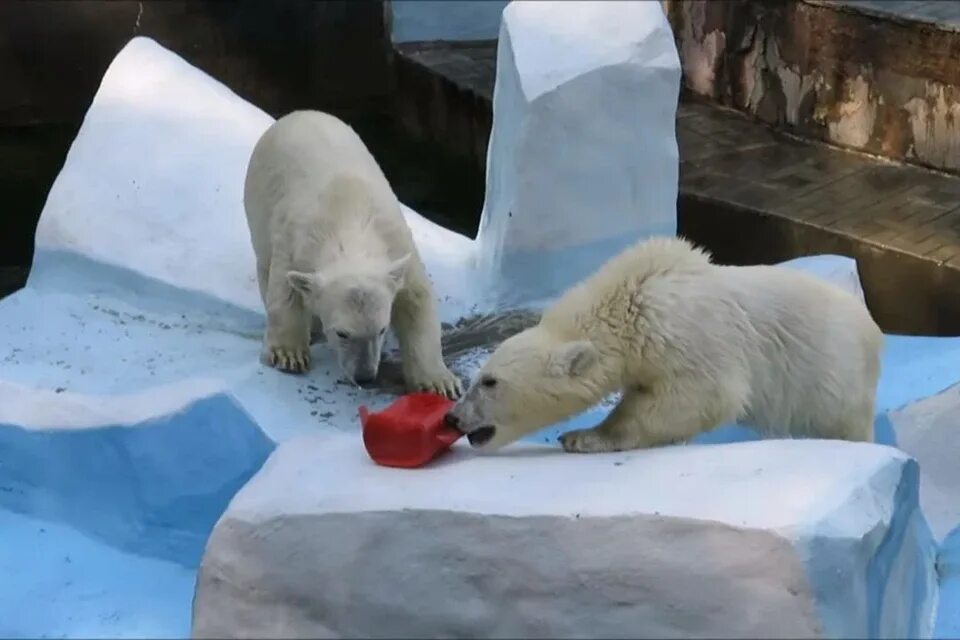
x: 410, y: 432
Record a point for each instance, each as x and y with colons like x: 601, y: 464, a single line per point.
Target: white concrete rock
x: 764, y: 539
x: 839, y: 270
x: 583, y: 132
x: 153, y: 182
x: 928, y: 430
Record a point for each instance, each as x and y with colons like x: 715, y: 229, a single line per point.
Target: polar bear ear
x: 304, y: 283
x: 573, y: 359
x: 397, y: 271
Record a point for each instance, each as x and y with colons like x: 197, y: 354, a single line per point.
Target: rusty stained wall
x: 883, y: 86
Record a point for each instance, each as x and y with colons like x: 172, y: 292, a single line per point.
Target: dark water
x: 30, y: 159
x: 445, y: 189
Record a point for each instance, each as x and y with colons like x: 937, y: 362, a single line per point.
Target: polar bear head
x: 354, y: 305
x: 532, y: 380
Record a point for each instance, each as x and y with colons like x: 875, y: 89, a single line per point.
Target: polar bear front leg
x: 286, y: 343
x: 620, y: 430
x: 263, y: 280
x: 645, y: 419
x: 416, y: 324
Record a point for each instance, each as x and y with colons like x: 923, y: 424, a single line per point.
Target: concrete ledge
x: 763, y: 539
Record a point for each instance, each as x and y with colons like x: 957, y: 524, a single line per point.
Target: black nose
x: 452, y: 420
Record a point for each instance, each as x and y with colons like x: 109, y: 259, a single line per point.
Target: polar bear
x: 690, y: 345
x: 331, y: 243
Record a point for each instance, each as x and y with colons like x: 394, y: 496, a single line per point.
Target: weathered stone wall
x: 874, y: 83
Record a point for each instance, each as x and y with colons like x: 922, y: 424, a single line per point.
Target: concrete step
x: 748, y: 193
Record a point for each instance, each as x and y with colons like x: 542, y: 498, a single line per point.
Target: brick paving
x: 908, y: 209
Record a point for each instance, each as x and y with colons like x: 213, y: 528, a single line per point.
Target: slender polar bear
x: 691, y: 345
x: 331, y: 243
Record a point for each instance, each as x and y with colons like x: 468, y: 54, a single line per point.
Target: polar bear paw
x: 289, y: 359
x: 589, y: 441
x: 440, y: 381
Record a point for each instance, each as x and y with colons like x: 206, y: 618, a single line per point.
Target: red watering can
x: 410, y: 432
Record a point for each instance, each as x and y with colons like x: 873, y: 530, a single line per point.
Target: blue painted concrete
x: 905, y: 505
x: 57, y: 583
x: 154, y: 489
x: 883, y: 431
x: 916, y: 367
x: 906, y: 524
x: 948, y: 564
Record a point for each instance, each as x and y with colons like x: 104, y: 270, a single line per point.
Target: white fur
x: 691, y: 345
x: 331, y: 242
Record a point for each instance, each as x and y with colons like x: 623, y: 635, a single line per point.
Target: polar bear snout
x: 360, y: 359
x: 465, y: 420
x: 452, y: 420
x: 481, y: 436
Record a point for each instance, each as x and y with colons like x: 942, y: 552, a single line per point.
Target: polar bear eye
x: 488, y: 382
x: 383, y: 331
x: 343, y: 335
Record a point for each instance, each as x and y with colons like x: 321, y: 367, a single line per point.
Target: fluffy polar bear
x: 690, y: 345
x: 331, y: 243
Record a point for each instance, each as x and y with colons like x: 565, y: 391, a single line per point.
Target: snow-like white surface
x: 53, y: 409
x: 760, y: 491
x: 584, y: 113
x: 154, y: 181
x: 674, y: 542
